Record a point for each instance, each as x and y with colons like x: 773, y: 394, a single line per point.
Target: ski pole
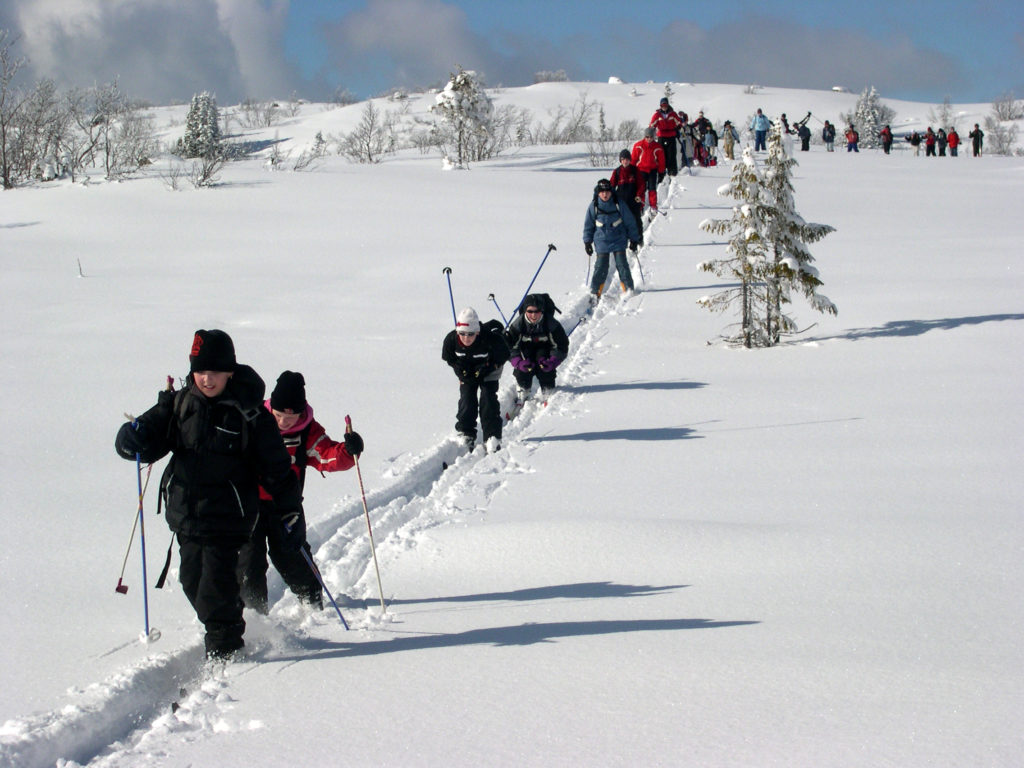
x: 316, y: 572
x: 448, y: 274
x: 490, y: 297
x: 587, y: 280
x: 636, y: 255
x: 151, y: 634
x: 369, y: 530
x: 551, y: 247
x: 121, y: 587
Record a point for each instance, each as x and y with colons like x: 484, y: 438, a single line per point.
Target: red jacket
x: 321, y: 453
x: 953, y: 138
x: 626, y: 177
x: 666, y: 123
x: 648, y: 156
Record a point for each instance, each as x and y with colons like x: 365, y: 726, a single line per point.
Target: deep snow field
x: 700, y: 555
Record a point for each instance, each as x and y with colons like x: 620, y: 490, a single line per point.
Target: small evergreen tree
x: 466, y: 109
x: 789, y: 266
x: 202, y: 128
x: 869, y: 117
x: 747, y: 255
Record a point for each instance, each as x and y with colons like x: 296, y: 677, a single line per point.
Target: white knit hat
x: 468, y: 321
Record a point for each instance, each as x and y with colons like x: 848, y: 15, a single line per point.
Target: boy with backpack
x: 538, y: 343
x: 308, y: 445
x: 224, y: 444
x: 608, y: 228
x: 476, y: 353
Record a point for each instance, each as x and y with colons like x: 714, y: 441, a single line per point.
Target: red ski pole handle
x: 348, y: 423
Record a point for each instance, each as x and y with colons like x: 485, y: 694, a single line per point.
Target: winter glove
x: 548, y: 364
x: 353, y: 443
x: 130, y: 440
x: 633, y: 246
x: 661, y: 177
x: 589, y: 248
x: 294, y: 530
x: 521, y: 364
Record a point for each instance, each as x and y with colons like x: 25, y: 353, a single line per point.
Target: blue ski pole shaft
x: 639, y: 266
x: 316, y: 572
x: 451, y: 297
x: 551, y: 247
x: 495, y: 302
x: 142, y: 540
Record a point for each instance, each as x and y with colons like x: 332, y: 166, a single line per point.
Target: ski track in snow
x: 128, y: 718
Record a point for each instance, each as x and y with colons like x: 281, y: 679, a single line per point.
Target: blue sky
x: 165, y: 50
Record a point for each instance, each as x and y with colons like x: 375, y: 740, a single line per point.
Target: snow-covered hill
x: 694, y: 555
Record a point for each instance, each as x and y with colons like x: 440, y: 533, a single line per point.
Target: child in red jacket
x: 308, y: 444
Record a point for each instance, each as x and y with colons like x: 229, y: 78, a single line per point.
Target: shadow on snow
x: 522, y: 634
x: 653, y: 433
x: 918, y: 327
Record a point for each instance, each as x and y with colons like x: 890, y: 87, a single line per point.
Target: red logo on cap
x: 197, y: 344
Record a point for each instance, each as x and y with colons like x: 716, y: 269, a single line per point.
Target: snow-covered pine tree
x: 202, y: 128
x: 465, y: 107
x: 747, y: 251
x: 869, y: 117
x: 786, y: 235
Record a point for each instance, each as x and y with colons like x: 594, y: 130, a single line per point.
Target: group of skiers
x: 535, y: 343
x: 232, y: 490
x: 936, y: 142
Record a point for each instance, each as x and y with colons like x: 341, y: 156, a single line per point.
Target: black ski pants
x: 209, y: 581
x: 546, y: 379
x: 668, y: 146
x: 268, y: 538
x: 479, y: 397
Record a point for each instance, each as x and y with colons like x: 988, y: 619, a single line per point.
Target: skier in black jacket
x: 539, y: 344
x: 477, y: 353
x: 224, y: 444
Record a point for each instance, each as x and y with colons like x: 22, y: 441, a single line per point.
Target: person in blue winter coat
x: 760, y: 125
x: 607, y: 229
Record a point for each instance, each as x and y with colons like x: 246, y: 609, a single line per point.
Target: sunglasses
x: 467, y: 333
x: 533, y: 312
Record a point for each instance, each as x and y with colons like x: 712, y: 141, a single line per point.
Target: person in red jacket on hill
x: 667, y: 124
x: 953, y: 139
x: 649, y: 159
x: 309, y: 446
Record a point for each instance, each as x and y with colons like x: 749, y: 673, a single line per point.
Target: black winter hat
x: 603, y: 185
x: 624, y: 155
x: 534, y: 300
x: 211, y: 351
x: 290, y: 393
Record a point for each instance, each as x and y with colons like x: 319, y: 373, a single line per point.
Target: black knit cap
x: 603, y: 185
x: 211, y: 351
x: 290, y: 393
x: 625, y: 155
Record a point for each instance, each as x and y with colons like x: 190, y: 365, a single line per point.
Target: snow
x: 695, y: 554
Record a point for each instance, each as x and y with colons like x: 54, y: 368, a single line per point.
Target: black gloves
x: 129, y: 440
x: 589, y: 248
x: 632, y: 246
x: 353, y: 443
x: 294, y: 530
